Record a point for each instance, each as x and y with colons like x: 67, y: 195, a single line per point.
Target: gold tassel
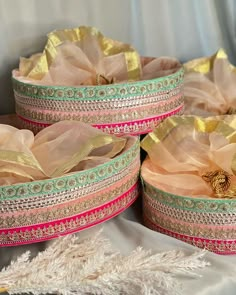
x: 231, y: 111
x: 219, y: 180
x: 99, y: 78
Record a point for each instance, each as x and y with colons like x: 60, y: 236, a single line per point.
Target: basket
x: 205, y: 223
x: 189, y: 179
x: 127, y: 108
x: 42, y: 210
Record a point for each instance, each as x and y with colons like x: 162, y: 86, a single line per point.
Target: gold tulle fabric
x: 83, y: 56
x: 158, y: 67
x: 64, y: 147
x: 77, y: 56
x: 182, y: 150
x: 210, y: 86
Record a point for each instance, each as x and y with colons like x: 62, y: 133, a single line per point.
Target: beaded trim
x: 41, y: 210
x: 99, y: 116
x: 191, y: 204
x: 107, y: 92
x: 190, y: 216
x: 206, y: 223
x: 133, y: 108
x: 133, y: 128
x: 68, y: 195
x: 223, y: 247
x: 82, y: 179
x: 192, y: 229
x: 98, y: 105
x: 35, y: 214
x: 42, y: 232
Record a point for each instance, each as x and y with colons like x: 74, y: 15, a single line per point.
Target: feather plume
x: 70, y: 266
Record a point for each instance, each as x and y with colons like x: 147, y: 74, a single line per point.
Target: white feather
x: 90, y: 266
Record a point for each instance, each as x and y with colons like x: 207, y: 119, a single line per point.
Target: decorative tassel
x: 219, y: 180
x: 231, y: 111
x: 101, y: 78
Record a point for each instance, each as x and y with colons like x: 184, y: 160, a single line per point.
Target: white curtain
x: 181, y: 28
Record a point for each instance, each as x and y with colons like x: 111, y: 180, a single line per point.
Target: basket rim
x: 194, y: 200
x: 70, y: 176
x: 99, y: 91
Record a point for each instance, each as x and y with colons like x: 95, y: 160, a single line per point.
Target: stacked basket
x: 44, y: 209
x: 125, y: 108
x: 41, y: 210
x: 191, y: 196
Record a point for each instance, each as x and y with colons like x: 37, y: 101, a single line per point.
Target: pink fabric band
x: 119, y: 128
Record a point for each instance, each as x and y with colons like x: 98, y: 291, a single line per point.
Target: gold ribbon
x: 205, y: 64
x: 13, y: 158
x: 200, y: 124
x: 21, y: 158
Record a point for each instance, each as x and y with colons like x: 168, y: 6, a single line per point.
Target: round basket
x: 131, y: 108
x: 205, y: 223
x: 42, y: 210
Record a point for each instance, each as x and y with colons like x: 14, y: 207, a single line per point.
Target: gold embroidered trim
x: 68, y: 226
x: 190, y: 229
x: 215, y: 246
x: 214, y: 218
x: 127, y: 128
x: 93, y: 105
x: 48, y: 214
x: 52, y: 199
x: 39, y: 115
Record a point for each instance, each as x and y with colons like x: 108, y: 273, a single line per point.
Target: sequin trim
x: 223, y: 206
x: 67, y: 195
x: 213, y: 218
x: 205, y: 223
x: 137, y: 127
x: 46, y: 213
x: 113, y: 115
x: 223, y: 247
x: 192, y: 229
x: 134, y: 108
x: 47, y: 231
x: 106, y: 92
x: 99, y: 105
x: 82, y: 179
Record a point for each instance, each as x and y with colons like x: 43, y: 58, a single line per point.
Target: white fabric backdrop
x: 181, y: 28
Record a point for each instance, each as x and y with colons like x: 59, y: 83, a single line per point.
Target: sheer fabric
x: 210, y: 86
x: 177, y: 162
x: 61, y: 148
x: 83, y: 56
